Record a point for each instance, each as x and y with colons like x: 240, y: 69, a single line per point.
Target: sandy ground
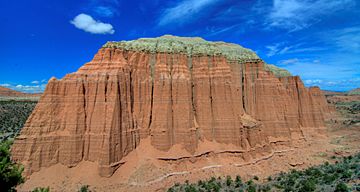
x: 143, y: 172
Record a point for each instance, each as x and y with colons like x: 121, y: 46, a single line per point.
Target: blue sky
x: 316, y: 39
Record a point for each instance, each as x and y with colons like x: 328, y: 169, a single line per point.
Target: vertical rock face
x: 172, y: 90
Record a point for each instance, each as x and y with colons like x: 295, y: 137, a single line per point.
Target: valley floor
x: 147, y: 174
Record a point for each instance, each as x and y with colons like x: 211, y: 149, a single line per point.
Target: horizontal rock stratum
x: 173, y: 91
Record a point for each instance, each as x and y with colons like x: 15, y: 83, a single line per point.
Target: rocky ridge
x: 176, y: 92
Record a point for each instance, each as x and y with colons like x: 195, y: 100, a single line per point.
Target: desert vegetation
x: 13, y: 115
x: 10, y: 172
x: 41, y: 189
x: 348, y: 108
x: 349, y: 111
x: 347, y: 105
x: 278, y: 72
x: 354, y: 92
x: 341, y: 176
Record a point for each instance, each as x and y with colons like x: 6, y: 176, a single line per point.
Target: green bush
x: 308, y: 185
x: 84, y: 188
x: 10, y: 172
x: 228, y: 180
x: 238, y: 182
x: 341, y: 187
x: 251, y: 188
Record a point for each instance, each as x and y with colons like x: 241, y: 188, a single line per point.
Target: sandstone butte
x: 171, y: 91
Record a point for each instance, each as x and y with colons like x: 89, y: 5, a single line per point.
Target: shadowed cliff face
x: 103, y: 111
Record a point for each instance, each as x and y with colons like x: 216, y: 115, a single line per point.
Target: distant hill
x: 354, y: 91
x: 330, y: 93
x: 9, y: 94
x: 351, y: 92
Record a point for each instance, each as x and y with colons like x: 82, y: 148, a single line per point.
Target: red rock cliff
x: 102, y: 112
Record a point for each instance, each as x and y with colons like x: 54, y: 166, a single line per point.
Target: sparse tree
x: 10, y: 172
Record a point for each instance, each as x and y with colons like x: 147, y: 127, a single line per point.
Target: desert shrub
x: 84, y: 188
x: 200, y: 183
x: 13, y: 115
x: 228, y: 180
x: 171, y: 189
x: 269, y: 178
x: 251, y: 188
x: 10, y: 172
x: 41, y: 189
x: 190, y: 188
x: 341, y: 187
x: 327, y: 177
x: 238, y: 181
x: 308, y: 185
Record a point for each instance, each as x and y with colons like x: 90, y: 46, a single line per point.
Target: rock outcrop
x: 173, y: 90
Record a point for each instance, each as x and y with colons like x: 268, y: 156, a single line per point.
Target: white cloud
x: 26, y: 88
x: 298, y: 14
x: 184, y: 11
x: 88, y: 24
x: 5, y: 85
x: 35, y: 82
x: 329, y: 74
x: 312, y: 81
x: 337, y: 85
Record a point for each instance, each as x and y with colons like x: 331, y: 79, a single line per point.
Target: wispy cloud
x: 35, y: 82
x: 291, y: 15
x: 87, y: 23
x: 110, y: 2
x: 286, y: 48
x: 347, y: 39
x: 280, y: 48
x: 289, y: 61
x: 184, y: 12
x: 330, y: 75
x: 295, y: 15
x: 276, y: 49
x: 104, y: 11
x: 103, y: 8
x: 213, y: 31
